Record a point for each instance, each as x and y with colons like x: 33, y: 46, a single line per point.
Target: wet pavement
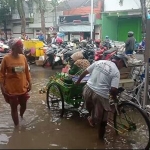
x: 41, y: 131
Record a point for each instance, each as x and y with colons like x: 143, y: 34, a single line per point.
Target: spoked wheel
x: 55, y: 100
x: 133, y: 125
x: 77, y: 104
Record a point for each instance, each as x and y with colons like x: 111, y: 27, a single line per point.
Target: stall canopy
x: 60, y: 34
x: 74, y: 28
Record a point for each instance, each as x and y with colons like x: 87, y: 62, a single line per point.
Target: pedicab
x: 61, y: 90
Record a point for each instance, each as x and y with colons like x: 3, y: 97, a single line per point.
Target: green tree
x: 6, y: 7
x: 20, y: 8
x: 42, y: 9
x: 45, y: 6
x: 5, y: 13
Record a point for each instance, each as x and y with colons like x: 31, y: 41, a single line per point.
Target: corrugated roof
x: 71, y: 4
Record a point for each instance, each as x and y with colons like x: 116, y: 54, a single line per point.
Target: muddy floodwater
x: 42, y: 131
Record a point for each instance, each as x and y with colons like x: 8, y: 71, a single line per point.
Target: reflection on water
x: 4, y: 139
x: 43, y: 129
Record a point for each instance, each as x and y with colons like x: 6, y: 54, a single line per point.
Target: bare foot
x: 22, y: 121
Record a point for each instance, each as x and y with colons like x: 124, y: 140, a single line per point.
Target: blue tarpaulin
x: 60, y: 34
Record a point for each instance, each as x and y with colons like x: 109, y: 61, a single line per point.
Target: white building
x: 33, y: 20
x: 49, y: 18
x: 120, y: 17
x: 121, y: 5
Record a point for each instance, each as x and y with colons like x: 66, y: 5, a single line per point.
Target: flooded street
x: 42, y: 131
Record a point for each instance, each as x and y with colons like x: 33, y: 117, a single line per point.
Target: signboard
x: 75, y: 19
x: 51, y: 29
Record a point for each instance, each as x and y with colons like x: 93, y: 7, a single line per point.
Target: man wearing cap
x: 130, y: 43
x: 103, y: 82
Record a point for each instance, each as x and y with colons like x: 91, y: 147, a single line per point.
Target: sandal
x: 92, y: 124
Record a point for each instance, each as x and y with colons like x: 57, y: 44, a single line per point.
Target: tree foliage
x: 6, y: 7
x: 45, y: 6
x: 20, y: 8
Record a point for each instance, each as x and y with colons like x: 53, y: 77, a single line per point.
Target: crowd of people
x: 50, y: 39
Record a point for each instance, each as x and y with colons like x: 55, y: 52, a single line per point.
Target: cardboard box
x: 39, y: 62
x: 126, y: 83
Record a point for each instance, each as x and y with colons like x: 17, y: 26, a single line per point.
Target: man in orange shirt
x: 15, y: 79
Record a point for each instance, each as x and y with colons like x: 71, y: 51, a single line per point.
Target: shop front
x: 117, y: 25
x: 76, y: 31
x: 76, y: 26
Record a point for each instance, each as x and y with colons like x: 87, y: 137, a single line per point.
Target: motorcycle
x: 4, y: 50
x: 50, y: 54
x: 54, y: 56
x: 105, y: 54
x: 29, y: 57
x: 99, y: 53
x: 109, y: 53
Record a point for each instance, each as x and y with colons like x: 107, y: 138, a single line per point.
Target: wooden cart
x: 126, y: 75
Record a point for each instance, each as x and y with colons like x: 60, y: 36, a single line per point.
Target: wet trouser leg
x: 102, y: 125
x: 23, y: 103
x: 14, y: 111
x: 51, y: 60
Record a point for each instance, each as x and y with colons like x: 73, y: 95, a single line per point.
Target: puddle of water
x: 54, y: 145
x: 4, y: 139
x: 44, y: 129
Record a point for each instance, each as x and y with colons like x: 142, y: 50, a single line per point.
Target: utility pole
x: 92, y: 19
x: 5, y: 28
x: 55, y: 14
x: 147, y: 58
x: 143, y: 10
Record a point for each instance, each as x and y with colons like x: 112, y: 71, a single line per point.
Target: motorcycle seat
x: 70, y: 52
x: 110, y: 51
x: 50, y: 52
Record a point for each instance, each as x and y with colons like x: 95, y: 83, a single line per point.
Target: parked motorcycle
x: 4, y: 50
x: 99, y: 53
x: 29, y: 57
x: 50, y: 54
x: 109, y: 53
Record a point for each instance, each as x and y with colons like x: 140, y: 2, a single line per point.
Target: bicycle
x: 136, y: 94
x: 126, y: 121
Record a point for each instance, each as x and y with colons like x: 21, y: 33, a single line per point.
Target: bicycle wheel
x: 55, y: 100
x: 133, y: 124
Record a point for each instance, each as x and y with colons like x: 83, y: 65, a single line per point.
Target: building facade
x: 124, y: 17
x: 78, y: 26
x: 33, y: 20
x: 50, y: 17
x: 14, y: 25
x: 75, y: 21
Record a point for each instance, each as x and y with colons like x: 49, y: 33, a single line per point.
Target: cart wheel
x: 55, y: 100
